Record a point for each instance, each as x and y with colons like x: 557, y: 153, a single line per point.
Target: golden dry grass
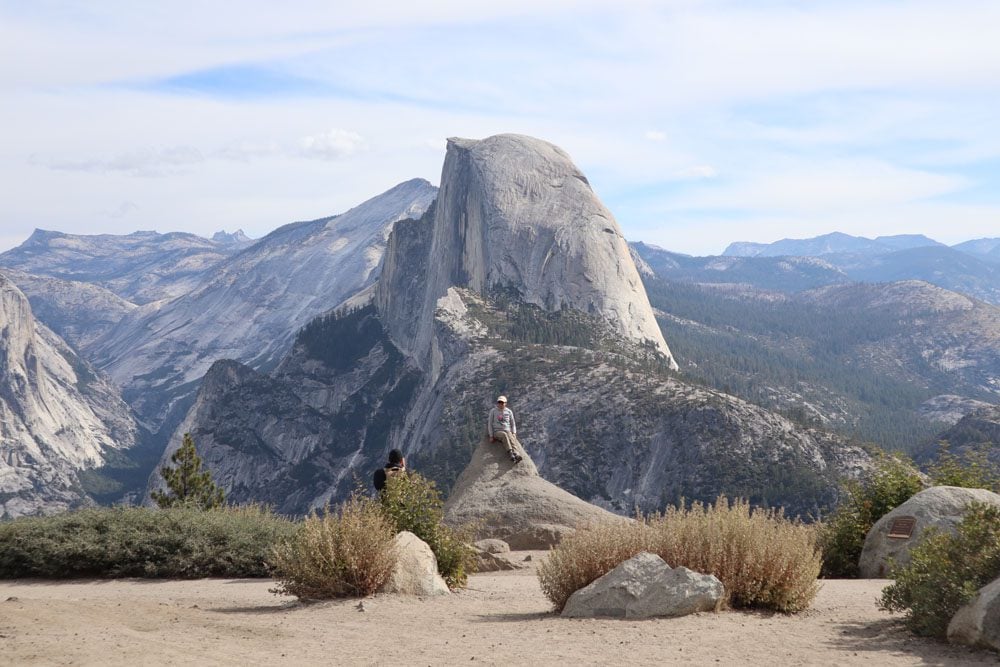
x: 763, y: 559
x: 347, y: 553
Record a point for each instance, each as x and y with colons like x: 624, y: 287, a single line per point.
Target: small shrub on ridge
x: 945, y: 571
x: 763, y: 559
x: 414, y: 503
x: 142, y: 542
x: 346, y: 553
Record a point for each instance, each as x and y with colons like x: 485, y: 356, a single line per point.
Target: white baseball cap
x: 501, y: 399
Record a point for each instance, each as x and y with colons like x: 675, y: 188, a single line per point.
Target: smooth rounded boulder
x: 646, y: 587
x: 891, y: 538
x: 978, y: 622
x: 416, y: 570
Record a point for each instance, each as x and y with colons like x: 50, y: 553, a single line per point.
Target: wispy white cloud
x: 332, y: 144
x: 774, y: 113
x: 141, y: 162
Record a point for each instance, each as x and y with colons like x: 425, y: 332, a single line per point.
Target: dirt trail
x: 500, y: 619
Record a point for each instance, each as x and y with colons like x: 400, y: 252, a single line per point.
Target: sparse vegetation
x: 945, y: 571
x: 890, y: 483
x: 763, y: 559
x: 141, y: 542
x: 413, y: 503
x: 342, y: 553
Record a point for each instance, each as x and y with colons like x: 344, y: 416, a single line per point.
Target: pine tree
x: 188, y: 484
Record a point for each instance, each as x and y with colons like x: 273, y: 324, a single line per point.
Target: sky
x: 698, y: 122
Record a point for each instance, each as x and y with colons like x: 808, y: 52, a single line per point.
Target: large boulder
x: 512, y: 502
x: 416, y: 570
x: 646, y: 587
x: 892, y: 536
x: 978, y: 622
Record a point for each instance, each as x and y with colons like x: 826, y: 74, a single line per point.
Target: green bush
x: 142, y: 542
x: 971, y: 469
x: 347, y: 553
x: 890, y: 482
x: 945, y: 571
x: 763, y: 559
x: 414, y: 504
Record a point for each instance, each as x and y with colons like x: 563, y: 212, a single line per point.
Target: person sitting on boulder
x: 394, y: 468
x: 502, y: 428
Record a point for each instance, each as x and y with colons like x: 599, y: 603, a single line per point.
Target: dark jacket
x: 383, y: 474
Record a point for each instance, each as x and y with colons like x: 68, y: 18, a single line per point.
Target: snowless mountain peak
x: 225, y: 238
x: 514, y: 213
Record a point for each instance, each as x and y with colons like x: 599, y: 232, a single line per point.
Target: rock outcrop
x: 511, y: 502
x: 416, y: 570
x: 58, y: 417
x: 79, y: 312
x: 515, y: 214
x: 646, y: 587
x: 978, y: 622
x: 892, y: 536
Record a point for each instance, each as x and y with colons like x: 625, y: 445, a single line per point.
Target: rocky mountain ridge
x: 880, y: 362
x: 499, y: 289
x: 249, y: 306
x: 58, y: 417
x: 141, y: 267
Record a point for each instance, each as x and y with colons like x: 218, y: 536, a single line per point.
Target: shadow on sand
x: 892, y: 637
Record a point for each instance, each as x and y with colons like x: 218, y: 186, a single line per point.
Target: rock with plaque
x: 892, y: 536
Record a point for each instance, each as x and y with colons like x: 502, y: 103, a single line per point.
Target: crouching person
x: 502, y: 429
x: 395, y: 467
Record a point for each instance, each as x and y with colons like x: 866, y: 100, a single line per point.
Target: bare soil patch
x: 502, y: 619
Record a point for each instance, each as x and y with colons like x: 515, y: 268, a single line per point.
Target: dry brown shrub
x: 586, y: 555
x: 347, y: 553
x: 763, y: 559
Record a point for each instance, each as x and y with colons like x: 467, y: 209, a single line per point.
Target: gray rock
x: 416, y: 570
x: 496, y: 562
x: 512, y: 502
x: 941, y: 506
x: 646, y: 587
x: 493, y: 546
x: 57, y: 415
x: 515, y: 211
x: 978, y: 622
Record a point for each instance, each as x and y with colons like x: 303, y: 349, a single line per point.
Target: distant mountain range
x: 838, y: 243
x: 298, y: 359
x: 796, y: 265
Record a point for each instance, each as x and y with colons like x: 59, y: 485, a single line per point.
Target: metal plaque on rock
x: 902, y: 528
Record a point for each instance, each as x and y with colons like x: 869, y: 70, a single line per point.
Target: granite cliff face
x: 58, y: 417
x: 249, y: 307
x: 79, y: 312
x: 515, y: 214
x: 515, y: 281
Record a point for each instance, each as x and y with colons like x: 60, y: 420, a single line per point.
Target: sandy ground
x: 501, y: 618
